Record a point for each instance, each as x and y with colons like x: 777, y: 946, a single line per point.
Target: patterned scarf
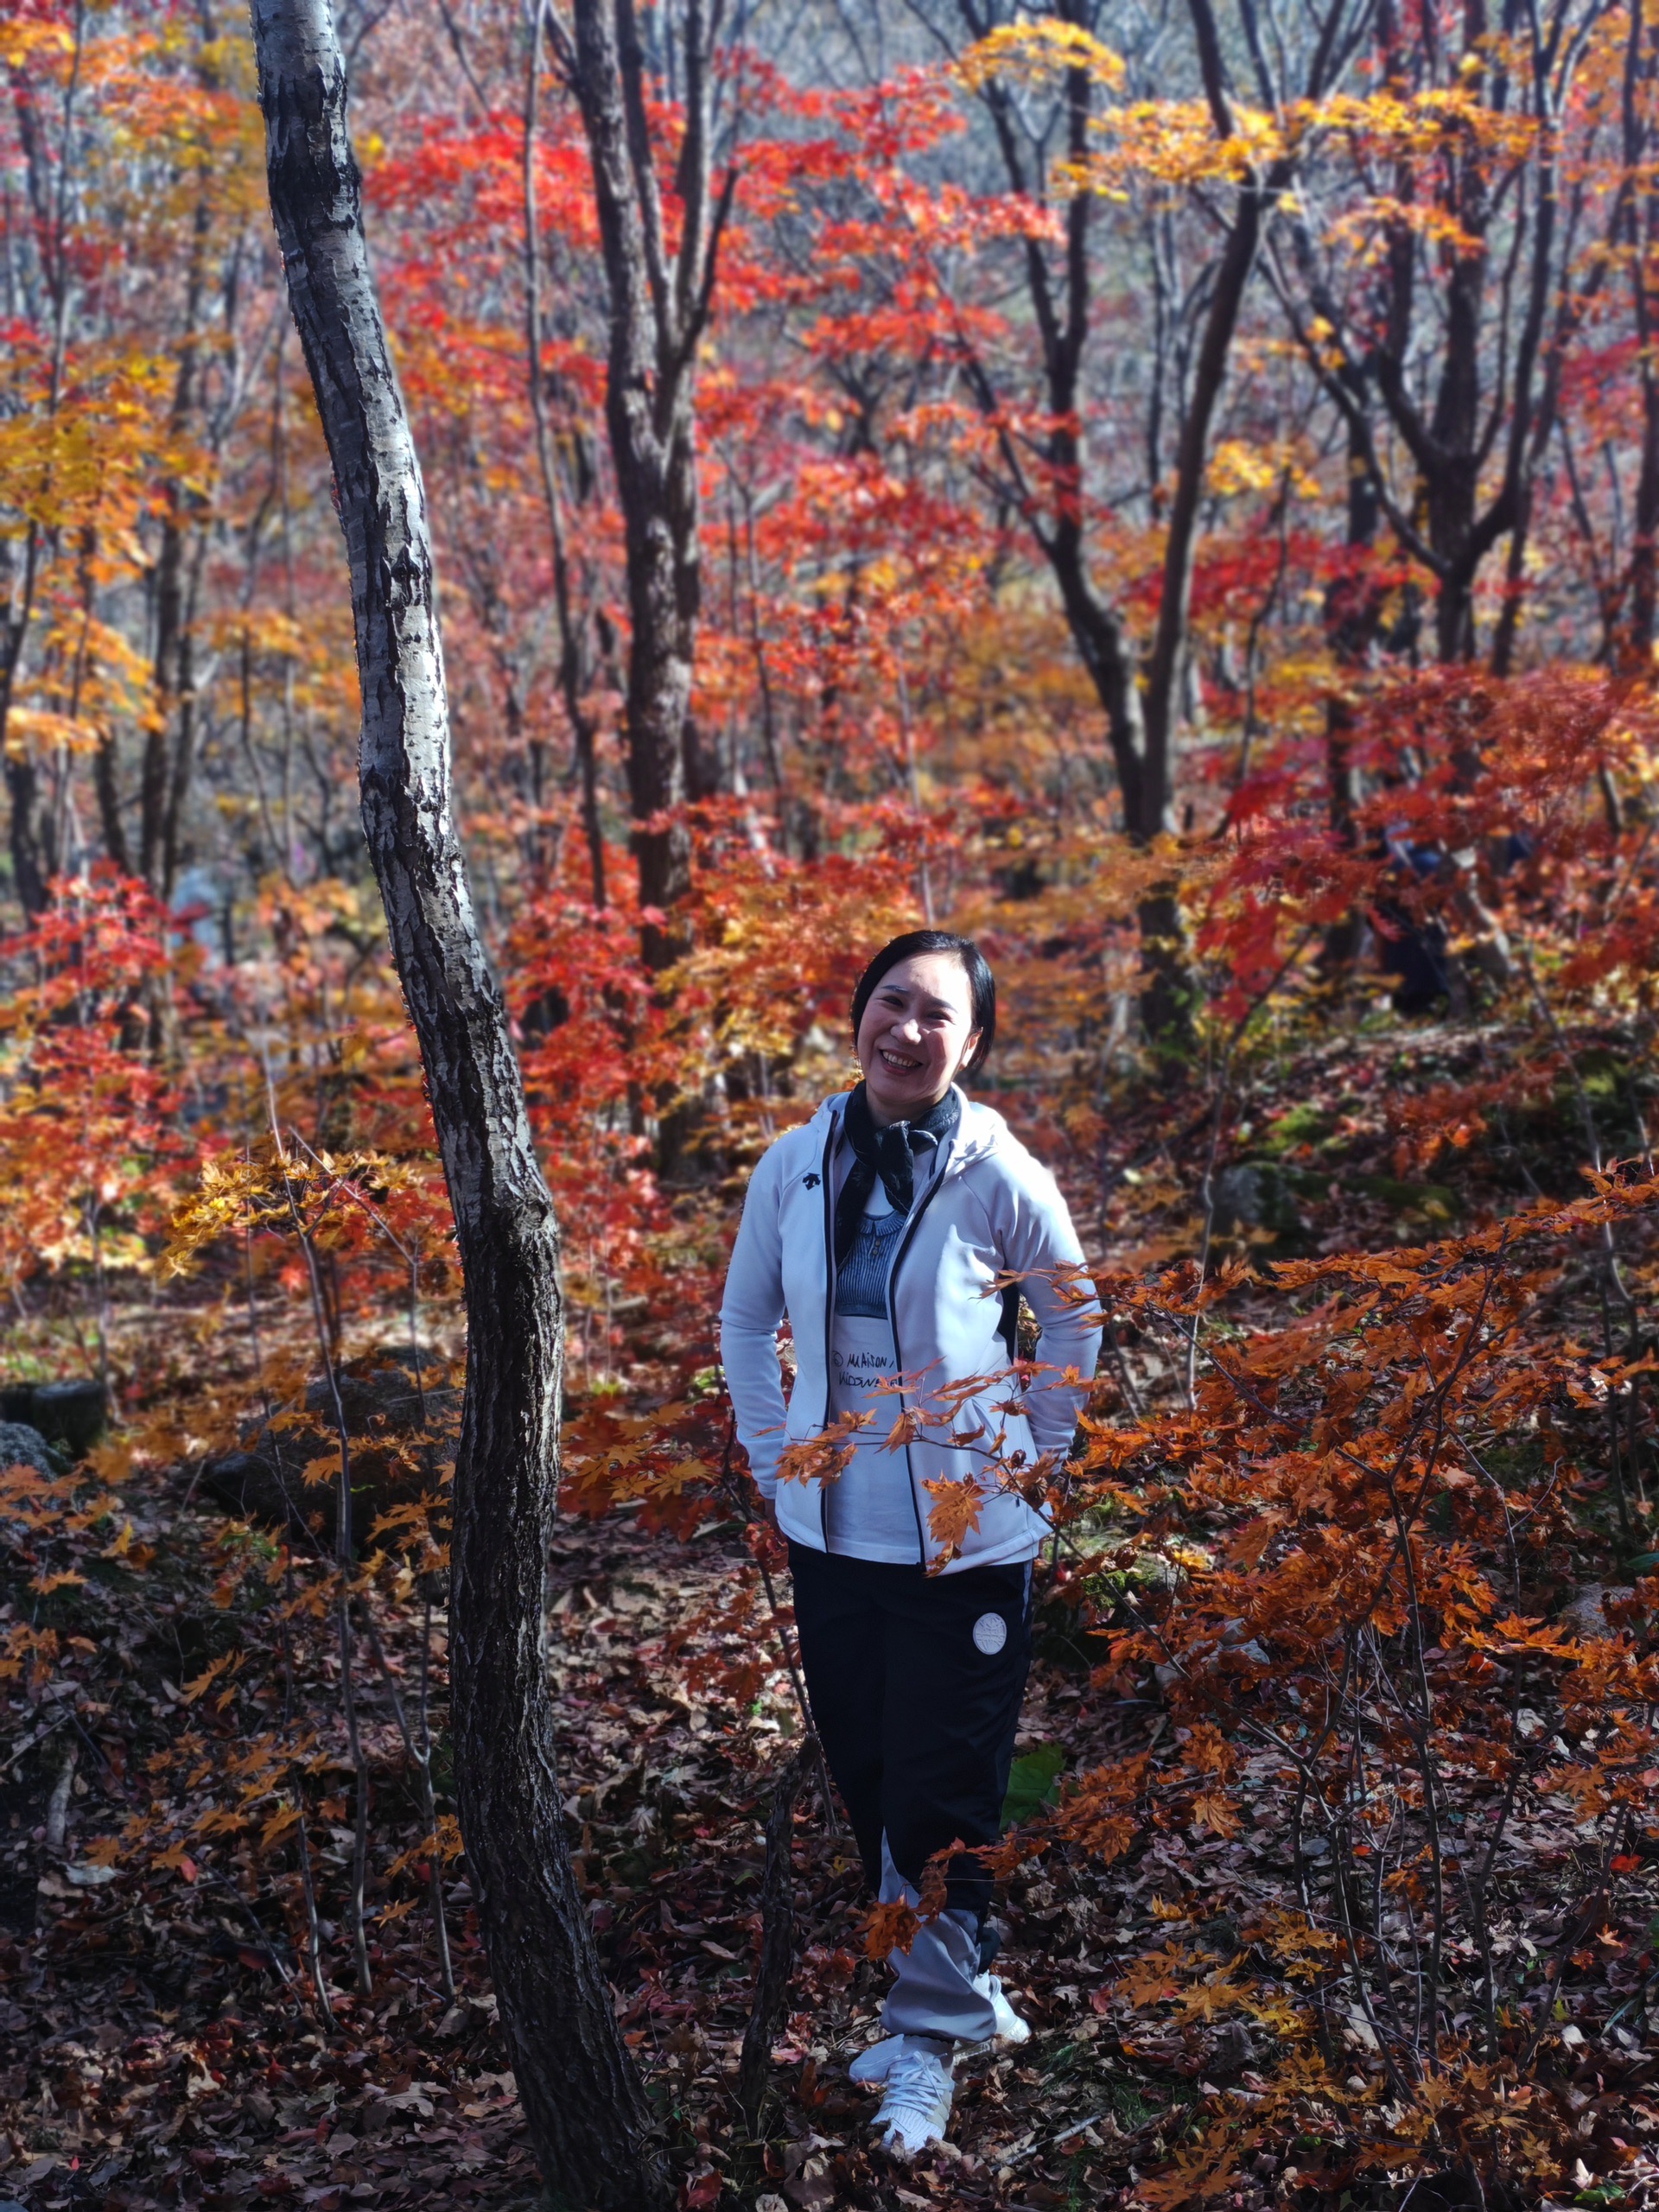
x: 889, y: 1154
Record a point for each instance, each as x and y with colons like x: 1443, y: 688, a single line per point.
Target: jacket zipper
x: 829, y: 1313
x: 898, y: 1355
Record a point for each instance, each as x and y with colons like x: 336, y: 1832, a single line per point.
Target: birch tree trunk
x: 581, y: 2096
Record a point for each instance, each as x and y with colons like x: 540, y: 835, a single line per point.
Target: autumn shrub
x: 92, y: 1151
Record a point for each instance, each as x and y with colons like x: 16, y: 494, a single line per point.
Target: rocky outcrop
x: 23, y: 1447
x: 402, y: 1445
x: 72, y: 1415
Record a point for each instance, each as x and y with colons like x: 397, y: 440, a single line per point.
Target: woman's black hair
x: 981, y: 984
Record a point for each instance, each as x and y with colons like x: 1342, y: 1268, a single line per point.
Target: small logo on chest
x: 811, y: 1181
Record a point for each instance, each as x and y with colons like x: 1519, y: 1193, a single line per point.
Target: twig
x: 39, y: 1736
x: 267, y: 1943
x: 1223, y: 1077
x: 342, y: 1563
x: 306, y: 1886
x: 1053, y: 2141
x: 420, y: 1757
x: 312, y: 1925
x: 1610, y: 1278
x: 57, y: 1805
x: 831, y: 1818
x: 777, y: 1937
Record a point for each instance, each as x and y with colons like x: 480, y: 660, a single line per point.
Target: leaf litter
x: 1177, y: 1945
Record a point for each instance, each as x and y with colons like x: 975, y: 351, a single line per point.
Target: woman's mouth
x: 897, y: 1062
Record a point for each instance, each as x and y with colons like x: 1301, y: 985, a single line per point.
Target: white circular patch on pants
x: 990, y: 1633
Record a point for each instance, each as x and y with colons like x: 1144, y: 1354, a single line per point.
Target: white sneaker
x: 873, y: 2065
x: 917, y: 2105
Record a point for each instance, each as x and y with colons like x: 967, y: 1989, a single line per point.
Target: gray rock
x: 1256, y: 1194
x: 1586, y: 1612
x: 263, y: 1479
x: 1233, y: 2051
x: 25, y: 1447
x: 70, y: 1414
x: 380, y: 1392
x: 1584, y: 1615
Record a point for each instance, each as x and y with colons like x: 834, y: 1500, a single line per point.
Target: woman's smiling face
x: 917, y: 1030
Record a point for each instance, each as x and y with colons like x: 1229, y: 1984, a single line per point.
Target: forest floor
x: 159, y: 2046
x: 161, y: 2040
x: 155, y: 2054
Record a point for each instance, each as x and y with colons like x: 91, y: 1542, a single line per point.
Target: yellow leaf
x: 230, y: 1661
x: 1036, y: 52
x: 1216, y: 1814
x: 1190, y: 2177
x: 284, y: 1818
x: 110, y: 1462
x: 1151, y: 1980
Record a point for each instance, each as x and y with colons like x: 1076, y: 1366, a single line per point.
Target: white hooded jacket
x: 989, y: 1209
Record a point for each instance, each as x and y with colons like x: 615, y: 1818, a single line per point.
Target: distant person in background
x: 879, y: 1230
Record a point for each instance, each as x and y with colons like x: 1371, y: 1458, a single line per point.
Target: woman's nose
x: 910, y: 1029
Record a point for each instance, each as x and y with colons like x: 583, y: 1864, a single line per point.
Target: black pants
x: 916, y: 1714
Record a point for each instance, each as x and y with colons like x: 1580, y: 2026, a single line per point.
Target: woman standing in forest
x: 879, y: 1230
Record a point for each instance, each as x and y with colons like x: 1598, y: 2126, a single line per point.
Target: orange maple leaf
x: 890, y: 1928
x: 956, y: 1509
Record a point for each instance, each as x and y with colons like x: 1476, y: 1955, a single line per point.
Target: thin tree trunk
x: 647, y: 401
x: 583, y: 2097
x: 1140, y: 715
x: 106, y: 761
x: 659, y: 300
x: 28, y: 869
x: 105, y: 782
x: 51, y: 197
x: 1167, y: 1001
x: 1636, y: 647
x: 575, y: 672
x: 1353, y: 606
x: 1170, y: 641
x: 172, y: 632
x: 777, y: 1936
